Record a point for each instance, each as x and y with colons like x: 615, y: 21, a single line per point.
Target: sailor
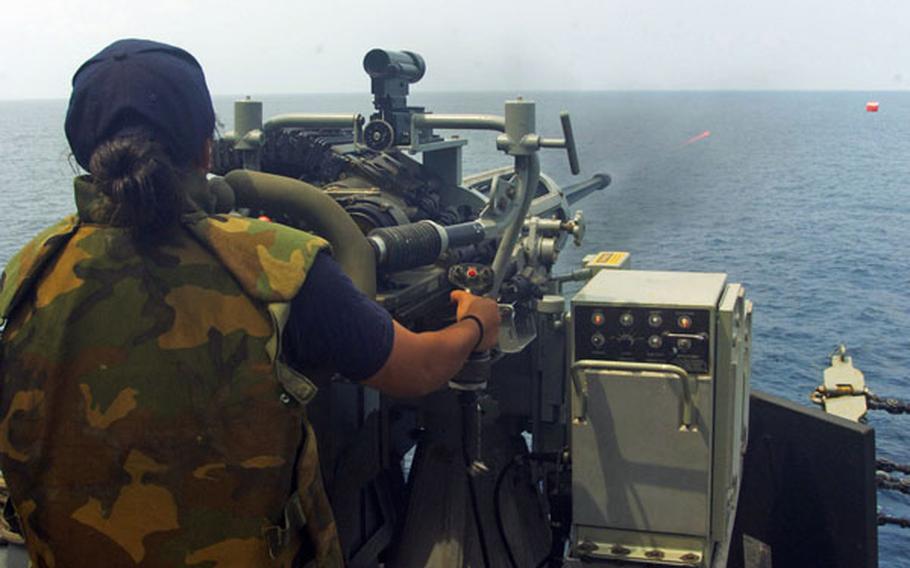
x: 152, y: 410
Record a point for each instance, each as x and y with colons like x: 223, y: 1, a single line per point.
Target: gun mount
x: 489, y: 466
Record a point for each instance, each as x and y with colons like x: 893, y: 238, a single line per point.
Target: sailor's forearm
x: 421, y: 363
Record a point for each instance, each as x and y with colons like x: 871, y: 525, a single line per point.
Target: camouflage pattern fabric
x: 142, y: 417
x: 10, y: 532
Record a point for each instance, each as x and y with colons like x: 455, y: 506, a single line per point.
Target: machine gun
x: 487, y: 480
x: 419, y: 215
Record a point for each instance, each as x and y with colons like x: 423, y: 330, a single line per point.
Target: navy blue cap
x: 140, y: 82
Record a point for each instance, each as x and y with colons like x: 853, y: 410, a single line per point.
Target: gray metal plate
x: 649, y: 288
x: 632, y: 466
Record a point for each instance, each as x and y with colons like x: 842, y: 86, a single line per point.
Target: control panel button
x: 654, y: 320
x: 655, y: 342
x: 627, y: 319
x: 598, y: 318
x: 684, y: 322
x: 683, y: 344
x: 626, y: 342
x: 598, y: 340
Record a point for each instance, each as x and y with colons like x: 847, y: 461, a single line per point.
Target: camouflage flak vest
x: 147, y: 419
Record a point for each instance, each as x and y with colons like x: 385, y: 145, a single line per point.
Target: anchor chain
x: 888, y: 466
x: 885, y: 481
x: 889, y: 405
x: 884, y: 519
x: 874, y: 402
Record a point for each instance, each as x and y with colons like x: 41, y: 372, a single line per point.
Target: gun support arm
x: 519, y: 141
x: 528, y: 169
x: 459, y: 121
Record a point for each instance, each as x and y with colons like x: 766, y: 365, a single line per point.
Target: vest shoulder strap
x: 269, y: 260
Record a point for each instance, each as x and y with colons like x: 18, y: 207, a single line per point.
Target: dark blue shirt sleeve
x: 333, y: 324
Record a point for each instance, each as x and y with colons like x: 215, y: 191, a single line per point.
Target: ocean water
x: 802, y: 197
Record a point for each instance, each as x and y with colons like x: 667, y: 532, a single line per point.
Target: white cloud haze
x: 299, y: 46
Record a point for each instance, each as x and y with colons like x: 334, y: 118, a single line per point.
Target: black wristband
x: 479, y: 326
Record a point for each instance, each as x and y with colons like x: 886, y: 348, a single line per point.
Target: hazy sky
x: 317, y: 46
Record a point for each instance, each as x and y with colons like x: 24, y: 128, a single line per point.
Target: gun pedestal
x: 440, y: 528
x: 470, y: 383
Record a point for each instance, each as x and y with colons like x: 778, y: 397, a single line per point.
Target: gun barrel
x: 578, y: 191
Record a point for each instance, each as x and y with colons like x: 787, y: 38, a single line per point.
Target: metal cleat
x: 844, y: 390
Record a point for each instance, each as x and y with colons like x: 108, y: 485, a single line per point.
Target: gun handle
x: 570, y: 142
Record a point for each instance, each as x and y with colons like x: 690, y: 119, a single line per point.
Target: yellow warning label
x: 609, y: 259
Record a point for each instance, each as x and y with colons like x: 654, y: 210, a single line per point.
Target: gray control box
x: 660, y: 371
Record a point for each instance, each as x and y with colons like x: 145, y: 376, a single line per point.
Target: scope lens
x: 376, y: 61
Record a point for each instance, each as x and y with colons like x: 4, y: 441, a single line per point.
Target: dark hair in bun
x: 138, y: 175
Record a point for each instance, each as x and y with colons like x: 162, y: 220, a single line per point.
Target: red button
x: 472, y: 272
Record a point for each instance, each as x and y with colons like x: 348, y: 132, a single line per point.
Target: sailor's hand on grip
x: 485, y: 310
